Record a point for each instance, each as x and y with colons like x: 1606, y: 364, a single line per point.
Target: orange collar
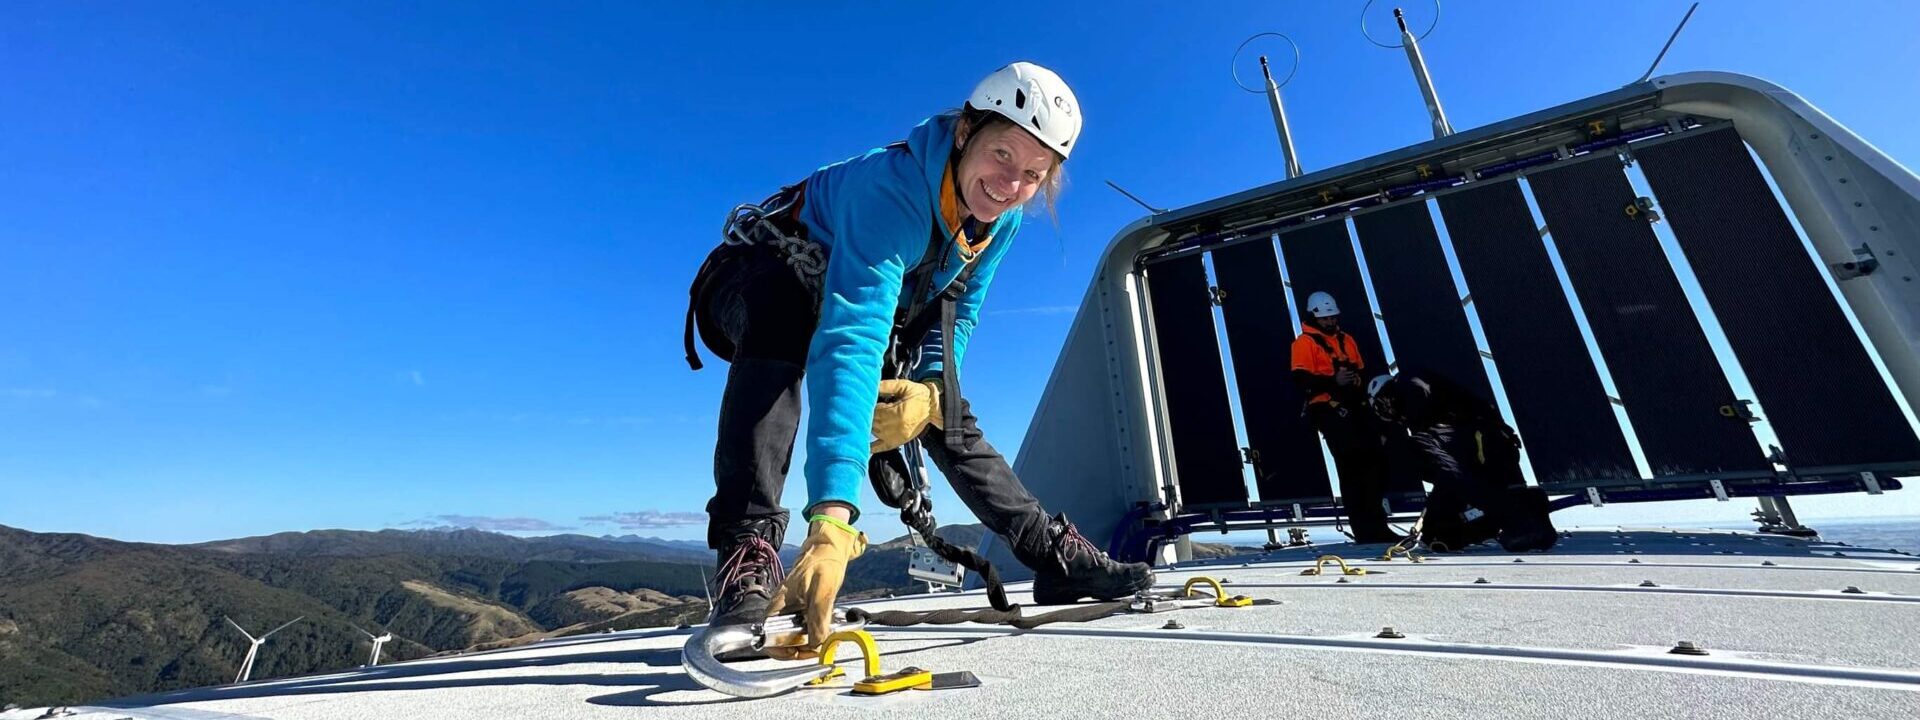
x: 955, y: 218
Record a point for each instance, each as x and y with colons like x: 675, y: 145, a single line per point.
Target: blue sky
x: 276, y: 266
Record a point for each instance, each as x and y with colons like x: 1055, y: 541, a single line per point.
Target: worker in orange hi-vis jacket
x: 1330, y: 371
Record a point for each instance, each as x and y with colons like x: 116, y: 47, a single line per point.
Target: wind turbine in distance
x: 246, y: 666
x: 378, y: 640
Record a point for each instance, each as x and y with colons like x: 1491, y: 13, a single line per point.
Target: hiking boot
x: 748, y: 576
x: 1372, y: 537
x: 1531, y: 527
x: 1527, y: 539
x: 1074, y: 568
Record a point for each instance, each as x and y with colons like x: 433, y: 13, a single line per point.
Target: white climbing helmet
x: 1034, y: 98
x: 1378, y: 381
x: 1321, y: 304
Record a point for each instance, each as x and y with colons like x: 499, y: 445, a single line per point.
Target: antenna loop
x: 1233, y: 65
x: 1423, y: 35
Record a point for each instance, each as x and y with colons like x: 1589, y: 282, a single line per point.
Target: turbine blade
x: 236, y: 626
x: 363, y: 631
x: 283, y: 626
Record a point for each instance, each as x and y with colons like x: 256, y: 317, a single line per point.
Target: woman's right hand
x: 904, y: 410
x: 815, y: 582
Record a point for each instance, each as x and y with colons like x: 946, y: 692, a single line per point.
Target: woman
x: 833, y: 280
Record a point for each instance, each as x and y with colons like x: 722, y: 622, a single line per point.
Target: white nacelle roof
x: 1570, y: 633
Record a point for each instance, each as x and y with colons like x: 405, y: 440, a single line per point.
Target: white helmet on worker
x: 1034, y: 98
x: 1378, y: 381
x: 1321, y: 305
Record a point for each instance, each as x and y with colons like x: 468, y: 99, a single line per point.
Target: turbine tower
x: 246, y: 666
x: 378, y: 640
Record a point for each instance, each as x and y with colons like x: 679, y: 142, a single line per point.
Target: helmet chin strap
x: 960, y: 191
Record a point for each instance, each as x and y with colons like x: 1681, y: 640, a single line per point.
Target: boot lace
x: 1073, y: 544
x: 753, y: 562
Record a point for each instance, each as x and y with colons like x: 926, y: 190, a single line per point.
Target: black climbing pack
x: 772, y: 225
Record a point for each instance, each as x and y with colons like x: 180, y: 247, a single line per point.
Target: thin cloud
x: 648, y: 519
x: 1039, y: 310
x: 216, y: 390
x: 495, y: 524
x: 418, y: 379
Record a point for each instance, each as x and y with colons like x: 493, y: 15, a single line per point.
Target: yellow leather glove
x: 815, y: 581
x: 904, y: 410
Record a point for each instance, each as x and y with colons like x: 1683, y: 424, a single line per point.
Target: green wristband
x: 834, y: 521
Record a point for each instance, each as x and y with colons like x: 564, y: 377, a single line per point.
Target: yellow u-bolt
x: 857, y: 637
x: 1403, y: 550
x: 1220, y: 598
x: 1320, y: 564
x: 1187, y: 590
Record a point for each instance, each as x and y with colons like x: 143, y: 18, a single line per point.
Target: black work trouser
x: 1476, y: 464
x: 769, y: 316
x: 1359, y: 456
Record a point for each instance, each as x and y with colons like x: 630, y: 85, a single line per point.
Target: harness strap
x: 1334, y: 359
x: 693, y: 355
x: 1332, y: 356
x: 950, y: 374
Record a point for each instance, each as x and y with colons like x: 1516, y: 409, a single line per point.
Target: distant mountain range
x: 84, y: 618
x: 462, y: 541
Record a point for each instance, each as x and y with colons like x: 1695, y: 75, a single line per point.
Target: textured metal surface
x: 1259, y: 336
x: 1320, y: 258
x: 1670, y: 382
x: 1418, y: 301
x: 1817, y: 386
x: 1552, y: 387
x: 1194, y: 381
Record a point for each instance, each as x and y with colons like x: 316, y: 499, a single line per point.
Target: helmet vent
x: 1020, y: 99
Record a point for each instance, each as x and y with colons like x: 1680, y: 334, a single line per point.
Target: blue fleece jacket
x: 875, y: 214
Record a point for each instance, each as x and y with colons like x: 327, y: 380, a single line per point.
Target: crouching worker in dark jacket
x: 1472, y: 459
